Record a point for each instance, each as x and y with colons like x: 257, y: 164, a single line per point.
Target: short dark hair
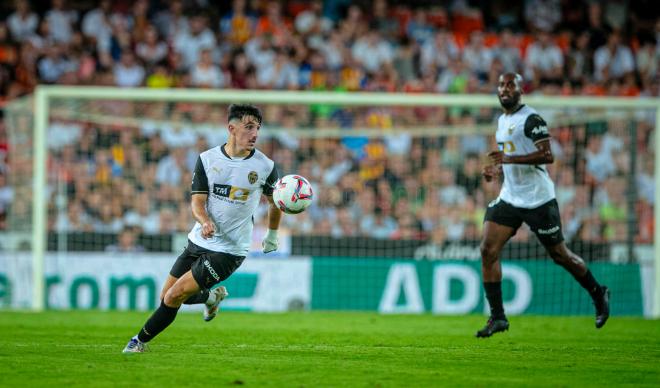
x: 238, y: 111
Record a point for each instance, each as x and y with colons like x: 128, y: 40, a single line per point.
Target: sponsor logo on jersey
x: 540, y: 130
x: 549, y: 231
x: 252, y: 177
x: 239, y: 194
x: 231, y: 192
x: 507, y: 146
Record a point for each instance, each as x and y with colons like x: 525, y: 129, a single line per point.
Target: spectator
x: 542, y: 15
x: 62, y: 22
x: 243, y: 75
x: 23, y: 22
x: 128, y: 72
x: 54, y: 65
x: 334, y: 51
x: 508, y: 52
x: 614, y: 60
x: 647, y: 59
x: 97, y: 26
x: 544, y: 60
x: 190, y: 43
x: 172, y: 22
x: 151, y: 50
x: 433, y: 249
x: 476, y: 56
x: 142, y: 216
x: 385, y: 21
x: 205, y: 73
x: 454, y: 78
x: 646, y: 181
x: 418, y: 29
x: 372, y: 52
x: 449, y: 192
x: 171, y: 167
x: 273, y: 23
x: 126, y: 243
x: 439, y: 52
x: 596, y: 28
x: 378, y: 225
x: 599, y: 157
x: 238, y: 24
x: 579, y: 63
x: 312, y: 23
x: 280, y: 74
x: 616, y: 14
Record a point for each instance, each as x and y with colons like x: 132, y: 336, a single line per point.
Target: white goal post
x: 44, y: 95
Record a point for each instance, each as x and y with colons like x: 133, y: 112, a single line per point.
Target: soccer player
x: 227, y: 185
x: 527, y: 195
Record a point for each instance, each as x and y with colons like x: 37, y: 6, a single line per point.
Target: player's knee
x: 560, y: 258
x: 488, y: 253
x: 559, y: 254
x: 174, y: 296
x: 163, y: 292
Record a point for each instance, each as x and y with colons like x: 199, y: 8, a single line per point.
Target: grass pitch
x: 325, y: 349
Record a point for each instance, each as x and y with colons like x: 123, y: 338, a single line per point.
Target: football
x: 293, y: 194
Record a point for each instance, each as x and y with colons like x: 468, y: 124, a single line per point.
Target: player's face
x: 245, y: 132
x: 508, y: 91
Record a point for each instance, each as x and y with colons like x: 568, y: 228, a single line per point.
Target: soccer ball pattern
x: 293, y: 194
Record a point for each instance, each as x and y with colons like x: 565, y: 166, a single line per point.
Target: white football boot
x: 211, y: 306
x: 135, y: 346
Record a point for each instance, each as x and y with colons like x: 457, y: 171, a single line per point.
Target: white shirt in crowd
x: 20, y: 27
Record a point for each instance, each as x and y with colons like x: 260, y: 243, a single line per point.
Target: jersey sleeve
x: 270, y: 181
x: 536, y: 128
x: 200, y: 182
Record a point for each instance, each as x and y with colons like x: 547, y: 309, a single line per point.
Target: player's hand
x: 488, y: 172
x: 208, y: 229
x: 269, y: 244
x: 496, y: 157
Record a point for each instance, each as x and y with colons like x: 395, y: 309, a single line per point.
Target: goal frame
x: 45, y: 93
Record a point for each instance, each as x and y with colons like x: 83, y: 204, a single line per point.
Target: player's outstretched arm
x: 542, y: 155
x: 198, y: 205
x: 269, y: 243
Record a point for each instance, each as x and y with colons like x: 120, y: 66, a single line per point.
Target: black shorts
x: 208, y: 267
x: 544, y: 220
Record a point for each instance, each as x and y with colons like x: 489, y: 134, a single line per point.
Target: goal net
x: 101, y: 205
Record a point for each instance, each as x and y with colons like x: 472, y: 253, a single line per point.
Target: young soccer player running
x: 227, y: 185
x: 527, y: 195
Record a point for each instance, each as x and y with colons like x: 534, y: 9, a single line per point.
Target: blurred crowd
x: 458, y: 46
x: 396, y: 186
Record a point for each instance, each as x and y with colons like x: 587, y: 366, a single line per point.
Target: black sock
x: 589, y: 283
x: 200, y: 297
x: 494, y: 296
x: 157, y: 322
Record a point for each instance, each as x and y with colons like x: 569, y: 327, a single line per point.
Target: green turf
x: 325, y: 349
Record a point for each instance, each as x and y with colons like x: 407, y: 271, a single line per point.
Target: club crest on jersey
x: 511, y: 128
x: 252, y: 177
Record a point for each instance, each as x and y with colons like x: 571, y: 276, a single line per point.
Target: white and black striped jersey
x: 234, y: 188
x: 525, y: 186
